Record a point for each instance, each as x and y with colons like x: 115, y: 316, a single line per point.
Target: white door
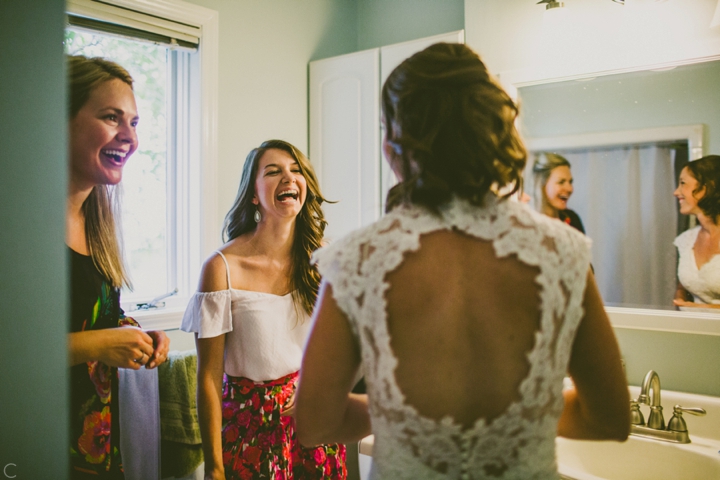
x: 390, y: 57
x: 344, y: 138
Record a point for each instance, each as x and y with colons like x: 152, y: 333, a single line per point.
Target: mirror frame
x: 699, y: 323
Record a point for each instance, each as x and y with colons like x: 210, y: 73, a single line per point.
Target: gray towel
x: 139, y: 406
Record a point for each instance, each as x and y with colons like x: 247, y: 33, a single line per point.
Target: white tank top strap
x: 227, y: 267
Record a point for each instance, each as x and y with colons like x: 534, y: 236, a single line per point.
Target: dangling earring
x: 257, y: 216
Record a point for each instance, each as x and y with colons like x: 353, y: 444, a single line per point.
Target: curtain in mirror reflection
x: 624, y: 197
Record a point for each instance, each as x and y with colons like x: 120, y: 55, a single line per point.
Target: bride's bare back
x: 461, y: 322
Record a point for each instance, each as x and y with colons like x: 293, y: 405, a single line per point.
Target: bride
x: 465, y: 310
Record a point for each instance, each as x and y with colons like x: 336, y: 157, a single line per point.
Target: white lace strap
x: 227, y: 267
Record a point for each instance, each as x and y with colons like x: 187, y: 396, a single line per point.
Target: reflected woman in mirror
x: 552, y: 188
x: 251, y: 319
x: 464, y: 309
x: 103, y: 117
x: 698, y: 194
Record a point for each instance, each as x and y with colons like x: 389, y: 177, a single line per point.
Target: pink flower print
x: 228, y: 411
x: 246, y: 385
x: 128, y: 322
x: 231, y: 433
x: 245, y: 473
x: 296, y: 458
x: 244, y: 418
x: 251, y: 455
x: 100, y: 376
x: 94, y: 443
x: 319, y: 456
x: 266, y: 440
x: 286, y: 451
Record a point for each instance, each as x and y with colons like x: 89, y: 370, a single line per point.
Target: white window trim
x: 184, y: 20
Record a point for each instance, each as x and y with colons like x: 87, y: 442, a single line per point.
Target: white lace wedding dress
x: 704, y: 282
x: 518, y: 444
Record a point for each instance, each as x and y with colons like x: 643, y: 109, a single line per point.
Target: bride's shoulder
x: 687, y: 238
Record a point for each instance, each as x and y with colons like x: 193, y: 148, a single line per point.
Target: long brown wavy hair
x: 452, y: 129
x: 309, y: 225
x: 101, y: 208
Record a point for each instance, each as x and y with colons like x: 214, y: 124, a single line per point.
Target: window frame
x: 193, y: 226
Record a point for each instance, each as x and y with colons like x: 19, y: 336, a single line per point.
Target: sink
x: 642, y: 458
x: 638, y: 458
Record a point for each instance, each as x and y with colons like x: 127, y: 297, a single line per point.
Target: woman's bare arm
x: 210, y: 353
x: 683, y: 298
x: 211, y: 367
x: 326, y: 411
x: 598, y: 407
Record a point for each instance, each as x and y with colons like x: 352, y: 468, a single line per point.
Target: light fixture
x: 550, y: 4
x: 621, y: 2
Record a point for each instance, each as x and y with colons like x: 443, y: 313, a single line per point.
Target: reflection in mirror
x: 623, y: 196
x: 624, y: 180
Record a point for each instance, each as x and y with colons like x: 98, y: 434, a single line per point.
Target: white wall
x: 265, y: 47
x: 524, y: 43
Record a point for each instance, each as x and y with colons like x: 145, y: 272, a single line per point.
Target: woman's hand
x: 124, y: 347
x: 685, y: 303
x: 161, y: 342
x: 215, y: 474
x: 288, y: 410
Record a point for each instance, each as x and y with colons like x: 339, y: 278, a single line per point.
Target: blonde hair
x: 101, y: 208
x: 544, y: 164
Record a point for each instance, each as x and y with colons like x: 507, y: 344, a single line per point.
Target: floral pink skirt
x: 259, y: 443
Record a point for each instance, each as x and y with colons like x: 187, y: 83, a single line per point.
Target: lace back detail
x: 520, y: 442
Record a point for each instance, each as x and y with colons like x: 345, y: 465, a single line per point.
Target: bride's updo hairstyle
x: 451, y: 128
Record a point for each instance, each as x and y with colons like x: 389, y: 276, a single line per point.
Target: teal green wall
x: 33, y: 270
x: 384, y: 22
x: 684, y: 362
x: 688, y: 94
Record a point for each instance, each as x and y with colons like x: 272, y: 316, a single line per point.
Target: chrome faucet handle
x: 656, y: 419
x: 636, y: 416
x: 677, y: 422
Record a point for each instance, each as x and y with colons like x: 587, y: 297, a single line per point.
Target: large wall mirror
x: 627, y: 136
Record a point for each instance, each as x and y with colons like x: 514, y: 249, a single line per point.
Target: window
x: 168, y: 194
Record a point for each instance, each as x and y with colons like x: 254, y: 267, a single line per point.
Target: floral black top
x: 94, y: 427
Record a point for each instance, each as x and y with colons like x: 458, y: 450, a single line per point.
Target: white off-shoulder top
x: 265, y: 337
